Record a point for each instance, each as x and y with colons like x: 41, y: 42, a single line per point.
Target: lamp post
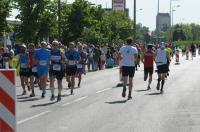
x: 134, y: 20
x: 172, y: 24
x: 59, y: 20
x: 157, y: 21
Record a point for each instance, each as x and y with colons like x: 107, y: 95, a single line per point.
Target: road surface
x: 98, y: 106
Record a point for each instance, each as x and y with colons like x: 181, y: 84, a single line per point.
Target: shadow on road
x: 43, y: 105
x: 142, y: 90
x: 26, y: 97
x: 154, y: 94
x: 30, y: 99
x: 117, y: 102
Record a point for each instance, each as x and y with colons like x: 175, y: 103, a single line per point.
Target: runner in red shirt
x: 148, y: 60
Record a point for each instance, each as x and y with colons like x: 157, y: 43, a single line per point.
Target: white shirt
x: 128, y: 53
x: 161, y: 57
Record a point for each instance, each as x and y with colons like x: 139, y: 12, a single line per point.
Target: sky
x: 186, y: 13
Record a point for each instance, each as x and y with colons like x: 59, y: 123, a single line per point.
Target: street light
x: 173, y: 10
x: 134, y: 16
x: 59, y: 20
x: 171, y: 17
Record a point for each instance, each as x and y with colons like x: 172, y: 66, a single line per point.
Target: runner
x: 161, y: 61
x: 148, y: 60
x: 24, y: 68
x: 33, y: 69
x: 80, y: 66
x: 56, y: 69
x: 42, y: 57
x: 73, y: 58
x: 128, y: 57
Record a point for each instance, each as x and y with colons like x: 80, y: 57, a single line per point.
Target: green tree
x: 5, y: 8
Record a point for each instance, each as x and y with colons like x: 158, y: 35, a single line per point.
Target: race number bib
x: 34, y: 69
x: 72, y: 62
x: 23, y: 65
x: 43, y: 62
x: 55, y: 58
x: 57, y: 67
x: 79, y: 66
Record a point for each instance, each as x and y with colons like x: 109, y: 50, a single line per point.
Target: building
x: 126, y: 11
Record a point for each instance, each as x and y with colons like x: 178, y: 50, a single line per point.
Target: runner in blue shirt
x: 24, y: 68
x: 42, y: 57
x: 73, y: 58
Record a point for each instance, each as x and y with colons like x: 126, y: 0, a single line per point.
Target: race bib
x: 79, y: 66
x: 57, y: 67
x: 23, y: 65
x: 55, y: 58
x: 43, y: 62
x: 72, y: 62
x: 34, y: 69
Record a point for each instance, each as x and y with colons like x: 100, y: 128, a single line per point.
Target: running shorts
x: 71, y: 71
x: 148, y: 70
x: 128, y: 71
x: 24, y: 72
x: 163, y: 68
x: 58, y: 74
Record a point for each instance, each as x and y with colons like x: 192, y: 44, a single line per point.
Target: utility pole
x: 157, y: 21
x: 135, y: 32
x: 59, y: 20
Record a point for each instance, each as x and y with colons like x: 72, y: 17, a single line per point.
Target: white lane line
x: 66, y: 104
x: 103, y: 90
x: 77, y: 100
x: 35, y: 116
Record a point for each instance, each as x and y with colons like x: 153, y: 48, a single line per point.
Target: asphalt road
x: 98, y: 106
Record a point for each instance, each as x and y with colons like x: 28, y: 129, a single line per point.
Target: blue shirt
x: 42, y: 56
x: 72, y: 57
x: 23, y: 60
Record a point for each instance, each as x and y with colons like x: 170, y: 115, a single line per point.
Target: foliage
x: 5, y: 8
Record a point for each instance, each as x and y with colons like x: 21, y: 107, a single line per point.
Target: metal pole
x: 59, y: 20
x: 171, y: 20
x: 157, y: 20
x: 135, y: 32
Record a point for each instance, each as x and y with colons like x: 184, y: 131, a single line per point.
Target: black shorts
x: 163, y: 68
x: 148, y: 70
x: 24, y: 72
x: 128, y: 71
x: 57, y: 74
x: 71, y: 71
x: 31, y: 73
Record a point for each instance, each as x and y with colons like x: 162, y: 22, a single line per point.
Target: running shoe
x: 69, y: 85
x: 158, y: 86
x: 71, y: 91
x: 24, y: 93
x: 32, y: 95
x: 59, y: 98
x: 52, y: 97
x: 148, y: 88
x: 43, y: 95
x: 124, y: 92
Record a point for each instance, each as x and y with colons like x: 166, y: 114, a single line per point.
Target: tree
x: 5, y: 8
x: 38, y: 18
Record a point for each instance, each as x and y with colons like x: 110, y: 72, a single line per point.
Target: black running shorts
x: 162, y: 68
x: 58, y: 74
x: 128, y: 71
x: 71, y: 71
x: 148, y: 70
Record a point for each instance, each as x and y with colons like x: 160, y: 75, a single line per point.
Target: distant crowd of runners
x: 50, y: 62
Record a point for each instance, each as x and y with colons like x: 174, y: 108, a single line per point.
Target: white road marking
x: 77, y: 100
x: 66, y: 104
x: 30, y: 118
x: 103, y: 90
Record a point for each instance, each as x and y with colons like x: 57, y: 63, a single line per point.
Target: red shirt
x: 148, y: 59
x: 30, y: 55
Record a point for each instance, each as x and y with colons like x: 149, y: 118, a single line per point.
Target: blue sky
x: 186, y: 13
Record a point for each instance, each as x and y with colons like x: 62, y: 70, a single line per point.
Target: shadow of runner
x: 154, y: 93
x: 117, y: 102
x: 30, y: 99
x: 43, y: 105
x: 26, y: 97
x: 143, y: 90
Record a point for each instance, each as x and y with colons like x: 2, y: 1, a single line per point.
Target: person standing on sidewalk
x: 128, y: 57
